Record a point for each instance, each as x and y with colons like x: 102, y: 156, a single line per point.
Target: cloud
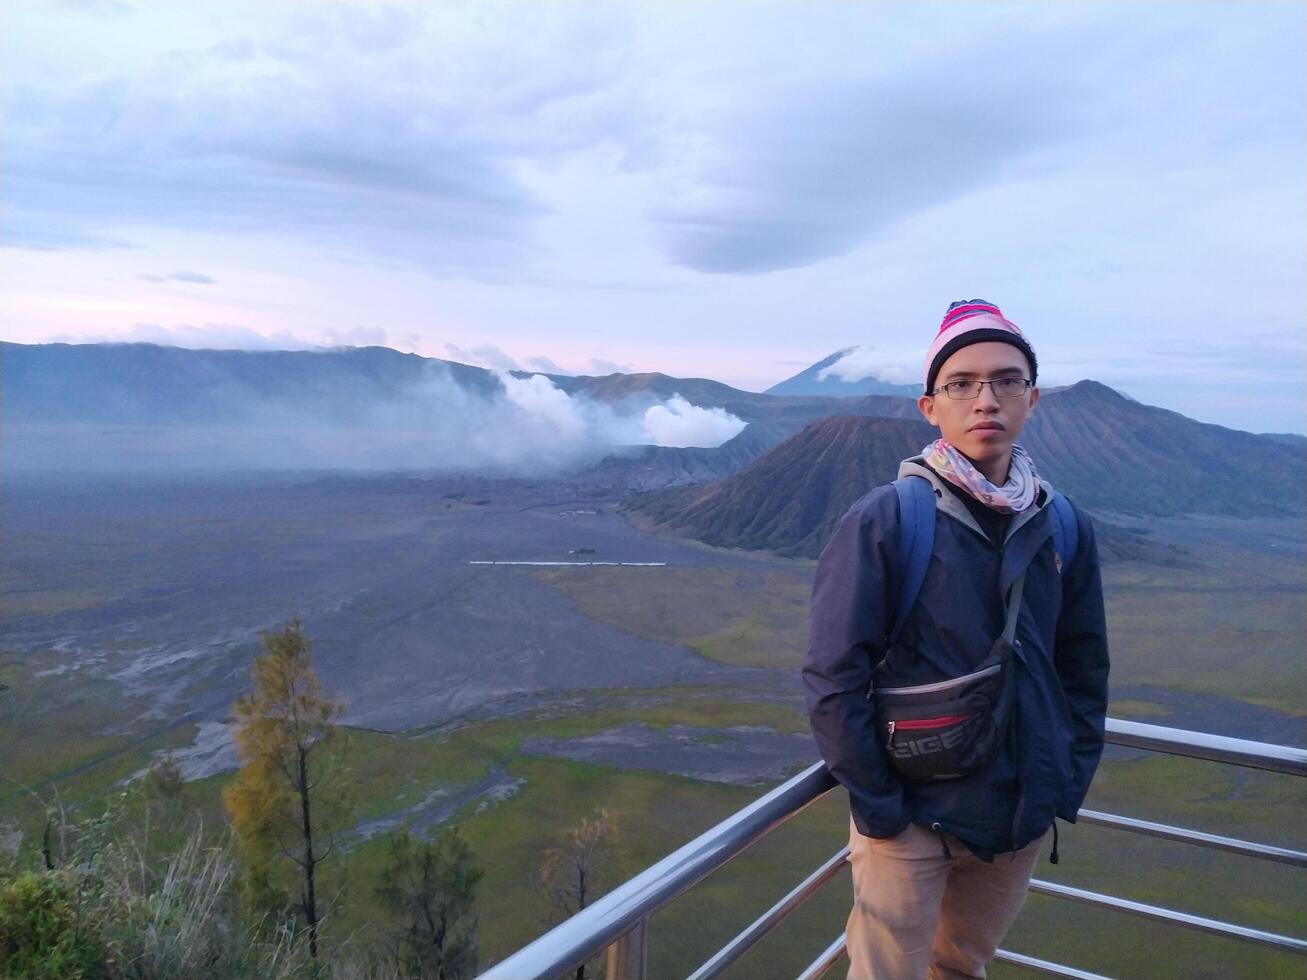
x: 100, y: 8
x: 456, y: 353
x: 206, y: 336
x: 529, y: 425
x: 865, y: 361
x: 676, y: 422
x: 488, y: 355
x: 542, y: 363
x: 57, y: 233
x: 272, y: 135
x: 356, y: 337
x: 538, y: 397
x: 1262, y: 358
x: 230, y: 336
x: 824, y: 166
x: 485, y: 355
x: 183, y: 276
x: 601, y: 366
x: 240, y: 49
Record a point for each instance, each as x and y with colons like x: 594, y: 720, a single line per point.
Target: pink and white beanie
x: 973, y: 321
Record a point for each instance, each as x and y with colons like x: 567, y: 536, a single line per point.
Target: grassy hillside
x: 653, y: 813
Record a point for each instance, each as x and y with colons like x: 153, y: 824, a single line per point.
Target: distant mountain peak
x: 1089, y: 384
x: 819, y: 380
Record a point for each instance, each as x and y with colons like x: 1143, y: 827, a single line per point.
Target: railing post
x: 626, y: 956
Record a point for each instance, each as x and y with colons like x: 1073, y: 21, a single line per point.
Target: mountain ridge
x: 1106, y: 452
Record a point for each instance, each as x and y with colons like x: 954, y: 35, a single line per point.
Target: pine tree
x: 170, y: 814
x: 279, y: 804
x: 431, y: 885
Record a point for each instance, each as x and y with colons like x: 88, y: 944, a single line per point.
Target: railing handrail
x: 1213, y: 748
x: 591, y: 930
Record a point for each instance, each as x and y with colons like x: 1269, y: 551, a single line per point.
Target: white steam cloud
x: 532, y: 426
x: 529, y: 426
x: 498, y: 423
x: 864, y: 361
x: 676, y: 422
x: 545, y: 403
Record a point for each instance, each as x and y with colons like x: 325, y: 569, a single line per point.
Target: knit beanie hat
x: 973, y: 321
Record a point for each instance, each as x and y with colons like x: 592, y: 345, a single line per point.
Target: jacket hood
x: 949, y: 504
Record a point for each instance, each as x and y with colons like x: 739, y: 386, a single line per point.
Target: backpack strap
x: 917, y: 539
x: 916, y: 542
x: 1066, y: 530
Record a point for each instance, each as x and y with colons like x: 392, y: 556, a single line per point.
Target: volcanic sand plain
x: 513, y: 699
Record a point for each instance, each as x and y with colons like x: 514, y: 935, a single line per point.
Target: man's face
x: 982, y: 429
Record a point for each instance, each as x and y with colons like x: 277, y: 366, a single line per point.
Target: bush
x: 109, y: 899
x: 183, y: 922
x: 43, y: 935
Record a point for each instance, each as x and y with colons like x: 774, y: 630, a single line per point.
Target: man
x: 941, y: 863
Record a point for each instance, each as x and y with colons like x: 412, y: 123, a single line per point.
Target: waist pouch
x: 952, y: 727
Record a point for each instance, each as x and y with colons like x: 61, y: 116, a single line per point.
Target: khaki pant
x: 918, y: 914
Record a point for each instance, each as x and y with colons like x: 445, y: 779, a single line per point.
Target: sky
x: 731, y: 190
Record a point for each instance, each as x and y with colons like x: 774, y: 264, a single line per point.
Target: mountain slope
x: 1107, y: 451
x: 659, y: 467
x: 789, y: 499
x: 655, y: 387
x: 147, y: 384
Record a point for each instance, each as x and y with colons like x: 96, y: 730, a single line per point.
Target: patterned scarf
x: 1013, y: 497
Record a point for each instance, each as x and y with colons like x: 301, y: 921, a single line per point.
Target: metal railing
x: 618, y: 922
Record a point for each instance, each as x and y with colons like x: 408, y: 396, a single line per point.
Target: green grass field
x: 742, y: 616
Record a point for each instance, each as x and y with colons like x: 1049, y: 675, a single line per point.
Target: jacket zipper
x: 939, y: 685
x: 917, y: 724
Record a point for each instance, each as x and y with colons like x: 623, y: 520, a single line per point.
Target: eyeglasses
x: 1001, y: 387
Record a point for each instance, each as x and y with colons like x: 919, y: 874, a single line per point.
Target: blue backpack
x: 917, y: 538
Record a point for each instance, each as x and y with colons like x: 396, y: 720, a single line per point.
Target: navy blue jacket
x: 1060, y: 667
